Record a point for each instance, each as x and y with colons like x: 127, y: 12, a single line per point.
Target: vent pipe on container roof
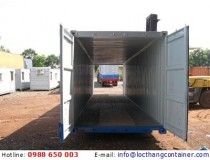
x: 151, y: 22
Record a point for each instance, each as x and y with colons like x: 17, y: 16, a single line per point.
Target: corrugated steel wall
x: 144, y: 78
x: 9, y: 60
x: 83, y: 79
x: 40, y: 81
x: 21, y: 83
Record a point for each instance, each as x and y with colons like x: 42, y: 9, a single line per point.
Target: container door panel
x: 66, y: 124
x: 176, y: 99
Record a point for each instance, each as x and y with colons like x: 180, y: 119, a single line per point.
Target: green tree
x: 52, y: 61
x: 2, y: 48
x: 7, y: 50
x: 199, y: 57
x: 29, y: 53
x: 39, y: 61
x: 96, y: 68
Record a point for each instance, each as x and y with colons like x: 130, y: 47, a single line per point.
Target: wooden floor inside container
x: 113, y: 110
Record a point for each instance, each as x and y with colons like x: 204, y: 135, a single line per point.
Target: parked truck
x: 199, y: 90
x: 155, y: 94
x: 108, y: 75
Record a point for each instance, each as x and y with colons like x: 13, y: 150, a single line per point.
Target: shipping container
x: 44, y: 78
x: 22, y: 79
x: 7, y: 80
x: 199, y: 71
x: 155, y: 93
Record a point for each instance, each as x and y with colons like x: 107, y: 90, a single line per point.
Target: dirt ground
x: 29, y: 120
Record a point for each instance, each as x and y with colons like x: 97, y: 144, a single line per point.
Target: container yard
x: 25, y: 117
x: 102, y: 81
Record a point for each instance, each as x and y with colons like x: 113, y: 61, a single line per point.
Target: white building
x: 7, y: 80
x: 22, y: 79
x: 44, y: 78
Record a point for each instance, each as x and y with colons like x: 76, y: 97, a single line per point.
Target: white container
x: 7, y: 80
x: 22, y: 79
x: 155, y: 82
x: 44, y: 78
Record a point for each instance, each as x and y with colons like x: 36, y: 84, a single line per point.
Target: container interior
x: 142, y: 54
x: 113, y: 110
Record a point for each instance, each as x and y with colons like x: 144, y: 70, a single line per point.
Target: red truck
x: 108, y: 75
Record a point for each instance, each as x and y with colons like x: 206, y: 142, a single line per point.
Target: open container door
x: 66, y: 124
x: 176, y: 99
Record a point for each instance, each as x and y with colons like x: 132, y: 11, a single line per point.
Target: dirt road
x: 29, y: 120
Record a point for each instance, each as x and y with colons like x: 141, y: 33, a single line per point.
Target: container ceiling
x: 114, y: 47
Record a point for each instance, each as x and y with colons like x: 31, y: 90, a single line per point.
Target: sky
x: 35, y: 23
